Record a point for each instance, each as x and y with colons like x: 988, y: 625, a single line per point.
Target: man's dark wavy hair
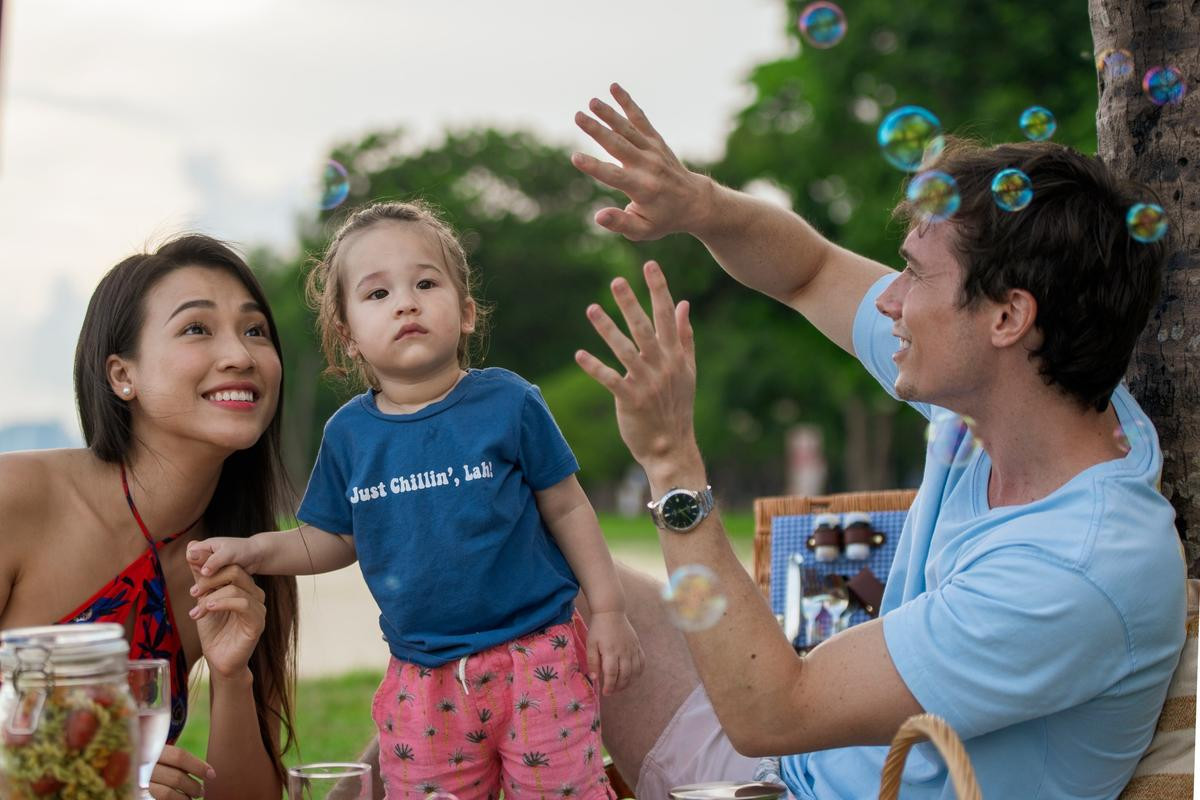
x: 1094, y: 284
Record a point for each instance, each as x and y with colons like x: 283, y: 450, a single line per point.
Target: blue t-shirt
x: 441, y: 507
x: 1045, y: 634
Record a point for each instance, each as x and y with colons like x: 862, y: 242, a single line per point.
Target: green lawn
x: 333, y: 715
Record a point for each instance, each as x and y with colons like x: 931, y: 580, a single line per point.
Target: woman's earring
x: 126, y: 391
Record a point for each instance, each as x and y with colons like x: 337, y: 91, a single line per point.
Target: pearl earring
x: 126, y: 391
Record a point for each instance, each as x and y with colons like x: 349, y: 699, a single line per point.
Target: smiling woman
x: 178, y: 379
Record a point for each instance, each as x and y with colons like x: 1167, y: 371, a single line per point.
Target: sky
x: 123, y: 122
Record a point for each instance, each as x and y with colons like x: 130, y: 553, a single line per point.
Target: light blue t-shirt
x: 1045, y: 634
x: 442, y: 509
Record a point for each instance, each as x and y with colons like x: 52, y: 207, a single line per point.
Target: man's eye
x: 378, y: 294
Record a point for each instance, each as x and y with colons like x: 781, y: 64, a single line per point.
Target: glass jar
x: 68, y: 727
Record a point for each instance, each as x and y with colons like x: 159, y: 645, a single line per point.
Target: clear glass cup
x: 352, y: 781
x: 150, y: 685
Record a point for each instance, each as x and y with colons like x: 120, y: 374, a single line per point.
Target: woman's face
x: 205, y: 369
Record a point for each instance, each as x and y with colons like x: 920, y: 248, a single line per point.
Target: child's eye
x: 426, y: 283
x: 194, y: 329
x: 377, y: 294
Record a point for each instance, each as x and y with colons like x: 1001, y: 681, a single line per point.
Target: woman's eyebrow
x: 248, y: 306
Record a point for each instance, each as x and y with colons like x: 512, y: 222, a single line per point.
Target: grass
x: 333, y: 714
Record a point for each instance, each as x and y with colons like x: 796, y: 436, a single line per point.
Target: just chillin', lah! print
x: 419, y: 482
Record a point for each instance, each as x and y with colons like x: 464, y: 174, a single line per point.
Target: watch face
x: 680, y: 510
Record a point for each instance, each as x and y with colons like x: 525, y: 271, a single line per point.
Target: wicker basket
x: 917, y: 729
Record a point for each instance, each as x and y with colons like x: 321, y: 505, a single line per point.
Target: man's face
x: 944, y: 356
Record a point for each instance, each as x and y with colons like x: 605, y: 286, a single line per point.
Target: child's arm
x: 613, y: 649
x: 303, y: 550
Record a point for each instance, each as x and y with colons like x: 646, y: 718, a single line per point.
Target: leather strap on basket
x: 917, y: 729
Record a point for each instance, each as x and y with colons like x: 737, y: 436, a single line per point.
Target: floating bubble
x: 335, y: 185
x: 1012, y: 189
x: 1115, y: 63
x: 934, y: 195
x: 1147, y: 222
x: 694, y: 598
x: 909, y: 136
x: 1164, y: 85
x: 1038, y: 123
x: 1134, y: 435
x: 822, y: 24
x: 950, y: 440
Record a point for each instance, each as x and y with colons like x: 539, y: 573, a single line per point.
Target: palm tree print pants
x: 521, y: 716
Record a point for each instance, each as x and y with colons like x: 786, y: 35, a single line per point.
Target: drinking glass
x: 150, y: 685
x: 318, y: 781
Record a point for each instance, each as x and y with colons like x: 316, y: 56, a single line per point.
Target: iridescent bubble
x: 335, y: 185
x: 950, y: 439
x: 694, y: 598
x: 1164, y: 85
x: 933, y: 195
x: 1038, y: 123
x: 1012, y: 189
x: 1115, y: 63
x: 909, y: 136
x: 822, y: 24
x: 1147, y: 222
x: 1131, y: 436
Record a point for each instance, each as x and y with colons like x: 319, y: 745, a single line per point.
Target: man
x: 1037, y: 597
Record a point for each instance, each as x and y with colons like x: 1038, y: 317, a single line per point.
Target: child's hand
x: 614, y: 653
x: 220, y: 551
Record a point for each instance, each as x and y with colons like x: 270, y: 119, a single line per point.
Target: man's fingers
x: 630, y: 225
x: 608, y: 174
x: 633, y: 112
x: 683, y: 327
x: 636, y: 320
x: 618, y: 123
x: 661, y: 304
x: 613, y: 143
x: 618, y: 342
x: 603, y: 374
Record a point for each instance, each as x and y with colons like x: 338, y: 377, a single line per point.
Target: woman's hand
x: 178, y: 775
x: 230, y: 616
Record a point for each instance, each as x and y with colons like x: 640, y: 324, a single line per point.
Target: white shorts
x: 691, y: 749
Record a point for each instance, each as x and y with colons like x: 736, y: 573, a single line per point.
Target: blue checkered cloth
x: 789, y: 534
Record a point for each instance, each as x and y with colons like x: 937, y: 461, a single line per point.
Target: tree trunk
x: 1160, y: 146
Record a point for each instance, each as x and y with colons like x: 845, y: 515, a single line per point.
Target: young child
x: 456, y: 492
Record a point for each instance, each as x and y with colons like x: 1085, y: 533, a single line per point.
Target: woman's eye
x: 378, y: 294
x: 257, y: 330
x: 194, y: 329
x: 426, y: 283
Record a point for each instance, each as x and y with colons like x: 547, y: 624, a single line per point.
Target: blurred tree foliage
x: 525, y: 215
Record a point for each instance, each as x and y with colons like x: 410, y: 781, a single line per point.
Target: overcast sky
x: 124, y: 121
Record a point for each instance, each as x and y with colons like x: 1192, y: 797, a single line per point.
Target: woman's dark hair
x: 1094, y: 284
x: 252, y: 489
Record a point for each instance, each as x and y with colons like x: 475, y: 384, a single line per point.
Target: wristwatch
x: 681, y: 510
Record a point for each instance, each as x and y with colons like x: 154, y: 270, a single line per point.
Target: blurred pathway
x: 339, y: 626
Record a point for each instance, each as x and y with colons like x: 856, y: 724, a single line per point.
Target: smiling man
x: 1037, y: 597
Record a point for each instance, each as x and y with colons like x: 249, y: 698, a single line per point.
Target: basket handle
x: 915, y: 729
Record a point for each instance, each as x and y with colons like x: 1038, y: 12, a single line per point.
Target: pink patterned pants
x: 521, y: 715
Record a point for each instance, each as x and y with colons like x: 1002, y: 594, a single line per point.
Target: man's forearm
x: 765, y: 247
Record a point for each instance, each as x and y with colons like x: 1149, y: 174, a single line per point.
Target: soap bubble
x: 1115, y: 63
x: 933, y: 195
x: 694, y: 598
x: 822, y: 24
x: 1012, y: 189
x: 951, y: 440
x: 909, y: 136
x: 335, y: 185
x: 1164, y: 85
x: 1147, y: 222
x: 1038, y: 123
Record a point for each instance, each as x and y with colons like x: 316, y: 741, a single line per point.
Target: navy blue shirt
x: 441, y: 507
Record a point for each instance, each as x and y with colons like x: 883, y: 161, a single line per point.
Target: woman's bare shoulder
x: 34, y: 482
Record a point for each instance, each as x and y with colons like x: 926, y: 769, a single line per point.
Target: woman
x: 178, y: 378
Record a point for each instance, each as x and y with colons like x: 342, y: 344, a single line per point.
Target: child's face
x: 404, y: 315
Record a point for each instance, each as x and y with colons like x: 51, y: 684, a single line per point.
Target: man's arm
x: 765, y: 247
x: 847, y: 691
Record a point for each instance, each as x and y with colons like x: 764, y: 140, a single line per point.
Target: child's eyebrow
x: 377, y: 273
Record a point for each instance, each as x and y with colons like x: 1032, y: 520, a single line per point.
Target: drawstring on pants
x: 462, y: 673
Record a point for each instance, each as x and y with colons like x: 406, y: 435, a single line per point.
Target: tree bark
x: 1160, y: 146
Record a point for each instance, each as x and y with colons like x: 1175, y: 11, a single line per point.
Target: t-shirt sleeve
x: 874, y: 344
x: 546, y: 458
x: 986, y: 651
x: 325, y: 504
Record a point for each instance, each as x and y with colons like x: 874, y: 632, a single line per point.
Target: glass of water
x: 335, y: 780
x: 150, y: 685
